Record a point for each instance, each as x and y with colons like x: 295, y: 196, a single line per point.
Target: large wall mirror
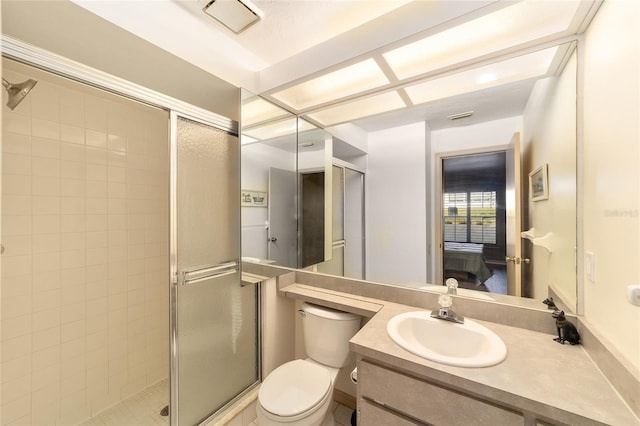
x: 487, y: 197
x: 268, y: 182
x: 286, y: 187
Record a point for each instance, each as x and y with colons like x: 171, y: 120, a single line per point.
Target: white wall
x: 611, y: 196
x: 351, y: 133
x: 396, y: 205
x: 549, y: 137
x: 490, y: 133
x: 397, y: 196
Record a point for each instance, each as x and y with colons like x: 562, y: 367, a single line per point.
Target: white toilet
x: 300, y: 392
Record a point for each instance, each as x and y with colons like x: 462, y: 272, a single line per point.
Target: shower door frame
x: 45, y: 60
x: 175, y: 278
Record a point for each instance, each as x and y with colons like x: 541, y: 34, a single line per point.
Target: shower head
x: 17, y: 92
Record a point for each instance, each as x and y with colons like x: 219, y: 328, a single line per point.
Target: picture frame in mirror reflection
x: 539, y: 183
x: 250, y: 198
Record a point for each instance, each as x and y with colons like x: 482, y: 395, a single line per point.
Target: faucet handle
x: 445, y: 301
x: 452, y: 285
x: 445, y: 313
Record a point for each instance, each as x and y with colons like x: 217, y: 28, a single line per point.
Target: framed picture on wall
x: 539, y: 184
x: 250, y: 198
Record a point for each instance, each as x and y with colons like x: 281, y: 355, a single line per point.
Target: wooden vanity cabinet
x: 390, y: 397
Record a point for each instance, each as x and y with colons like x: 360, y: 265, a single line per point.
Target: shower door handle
x: 196, y: 275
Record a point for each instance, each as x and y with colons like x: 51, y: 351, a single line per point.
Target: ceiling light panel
x: 537, y: 64
x: 272, y: 130
x: 276, y: 129
x: 377, y: 104
x: 257, y: 110
x: 336, y: 85
x: 524, y: 21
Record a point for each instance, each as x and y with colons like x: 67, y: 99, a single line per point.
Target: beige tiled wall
x: 84, y: 286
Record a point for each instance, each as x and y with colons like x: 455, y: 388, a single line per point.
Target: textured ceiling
x: 294, y: 39
x: 290, y: 27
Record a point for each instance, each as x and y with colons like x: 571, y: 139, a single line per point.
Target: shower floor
x: 142, y: 409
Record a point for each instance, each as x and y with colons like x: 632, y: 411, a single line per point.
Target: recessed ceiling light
x: 510, y: 26
x: 335, y: 85
x: 237, y: 15
x: 277, y: 128
x: 257, y: 110
x: 273, y: 129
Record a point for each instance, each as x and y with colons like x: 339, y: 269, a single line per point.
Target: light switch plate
x: 590, y: 266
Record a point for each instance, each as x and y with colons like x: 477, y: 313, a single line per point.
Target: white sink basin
x: 462, y: 345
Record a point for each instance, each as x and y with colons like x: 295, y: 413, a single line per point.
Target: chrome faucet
x: 445, y: 312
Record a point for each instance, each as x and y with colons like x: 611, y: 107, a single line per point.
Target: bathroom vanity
x: 540, y: 382
x: 405, y: 397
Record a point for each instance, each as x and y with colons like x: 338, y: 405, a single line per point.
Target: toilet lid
x: 293, y: 388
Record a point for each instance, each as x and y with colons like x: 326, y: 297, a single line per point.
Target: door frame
x: 363, y: 221
x: 345, y: 165
x: 438, y: 236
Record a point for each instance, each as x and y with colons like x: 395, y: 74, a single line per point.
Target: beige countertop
x: 539, y: 375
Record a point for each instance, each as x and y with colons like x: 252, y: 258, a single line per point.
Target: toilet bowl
x: 300, y: 392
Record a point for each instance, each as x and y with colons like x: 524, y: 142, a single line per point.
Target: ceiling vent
x: 237, y: 15
x: 460, y: 115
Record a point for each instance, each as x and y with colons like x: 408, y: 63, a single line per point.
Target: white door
x: 514, y: 218
x: 281, y: 237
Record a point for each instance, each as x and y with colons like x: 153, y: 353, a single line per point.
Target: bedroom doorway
x: 473, y: 220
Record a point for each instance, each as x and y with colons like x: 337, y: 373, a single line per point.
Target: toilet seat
x: 295, y: 389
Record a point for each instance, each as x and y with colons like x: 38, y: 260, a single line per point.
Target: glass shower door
x: 214, y: 318
x: 354, y: 255
x: 335, y: 266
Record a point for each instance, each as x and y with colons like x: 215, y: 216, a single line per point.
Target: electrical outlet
x: 590, y: 266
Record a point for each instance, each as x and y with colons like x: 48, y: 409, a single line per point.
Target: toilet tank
x: 327, y: 333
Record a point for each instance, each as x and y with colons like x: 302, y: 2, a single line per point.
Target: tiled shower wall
x: 84, y: 287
